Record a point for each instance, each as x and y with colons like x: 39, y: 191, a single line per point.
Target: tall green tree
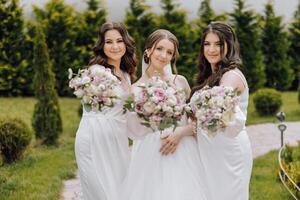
x: 15, y: 72
x: 206, y: 14
x: 295, y: 47
x: 275, y: 48
x: 248, y: 31
x: 140, y: 23
x: 61, y: 25
x: 93, y: 17
x: 175, y: 20
x: 46, y: 121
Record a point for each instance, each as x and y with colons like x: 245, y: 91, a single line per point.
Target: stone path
x: 263, y: 137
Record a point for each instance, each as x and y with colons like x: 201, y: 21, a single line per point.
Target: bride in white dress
x: 101, y: 146
x: 152, y: 174
x: 227, y: 157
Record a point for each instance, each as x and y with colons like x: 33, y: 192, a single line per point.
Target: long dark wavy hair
x: 128, y: 61
x: 229, y: 61
x: 155, y: 38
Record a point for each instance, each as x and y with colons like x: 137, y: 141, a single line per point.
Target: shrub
x: 267, y: 101
x: 15, y: 136
x: 47, y: 122
x: 292, y: 168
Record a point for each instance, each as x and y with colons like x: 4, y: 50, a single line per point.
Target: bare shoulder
x: 233, y: 78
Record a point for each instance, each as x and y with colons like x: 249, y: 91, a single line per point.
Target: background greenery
x: 268, y: 46
x: 269, y: 49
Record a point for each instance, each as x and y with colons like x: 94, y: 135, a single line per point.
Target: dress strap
x: 242, y: 77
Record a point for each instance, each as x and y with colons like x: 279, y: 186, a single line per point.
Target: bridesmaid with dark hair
x: 227, y: 157
x: 101, y: 145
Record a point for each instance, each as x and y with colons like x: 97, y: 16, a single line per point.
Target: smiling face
x: 114, y: 46
x: 212, y: 49
x: 161, y: 54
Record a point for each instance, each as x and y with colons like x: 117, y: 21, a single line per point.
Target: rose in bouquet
x: 158, y: 104
x: 214, y: 107
x: 95, y: 86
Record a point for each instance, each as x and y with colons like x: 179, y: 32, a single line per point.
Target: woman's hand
x: 171, y: 142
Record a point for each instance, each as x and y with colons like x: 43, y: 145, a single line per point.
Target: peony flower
x: 149, y: 107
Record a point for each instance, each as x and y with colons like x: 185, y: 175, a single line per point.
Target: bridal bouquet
x: 214, y: 107
x: 158, y: 104
x: 95, y: 86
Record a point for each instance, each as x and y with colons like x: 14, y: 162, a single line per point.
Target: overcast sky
x: 117, y: 8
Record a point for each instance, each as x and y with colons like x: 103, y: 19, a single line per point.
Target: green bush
x: 267, y: 101
x: 15, y: 136
x: 292, y: 167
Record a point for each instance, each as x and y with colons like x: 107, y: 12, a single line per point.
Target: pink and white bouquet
x: 95, y: 86
x: 214, y: 107
x: 158, y: 104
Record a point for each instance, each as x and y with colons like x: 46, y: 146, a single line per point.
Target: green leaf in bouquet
x: 147, y: 124
x: 128, y: 105
x: 167, y: 123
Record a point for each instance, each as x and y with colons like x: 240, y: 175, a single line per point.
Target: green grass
x: 40, y: 174
x: 290, y: 106
x: 264, y: 182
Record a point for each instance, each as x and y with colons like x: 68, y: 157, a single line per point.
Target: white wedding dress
x: 227, y: 157
x: 152, y: 176
x: 102, y: 152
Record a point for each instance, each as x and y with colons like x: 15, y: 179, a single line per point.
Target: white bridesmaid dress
x: 227, y: 157
x: 102, y: 151
x: 152, y: 176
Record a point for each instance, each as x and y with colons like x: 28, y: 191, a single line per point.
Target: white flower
x: 70, y: 73
x: 171, y: 100
x: 97, y: 70
x: 149, y: 107
x: 85, y: 80
x: 79, y: 93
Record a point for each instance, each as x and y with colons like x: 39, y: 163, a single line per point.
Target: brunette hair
x: 128, y: 61
x: 229, y: 61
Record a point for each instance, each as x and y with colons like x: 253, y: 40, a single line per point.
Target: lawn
x: 290, y: 106
x: 41, y: 173
x: 264, y: 182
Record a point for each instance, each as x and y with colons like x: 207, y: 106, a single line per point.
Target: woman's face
x: 161, y: 54
x: 114, y: 46
x: 212, y: 48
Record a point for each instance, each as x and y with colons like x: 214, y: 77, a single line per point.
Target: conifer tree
x: 275, y: 42
x: 248, y: 31
x: 14, y: 69
x: 46, y: 121
x: 205, y: 15
x: 175, y: 20
x: 140, y: 23
x: 295, y: 47
x: 93, y: 18
x: 61, y: 25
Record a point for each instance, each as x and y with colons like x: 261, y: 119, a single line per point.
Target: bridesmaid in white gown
x: 227, y: 157
x: 101, y: 146
x: 152, y: 175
